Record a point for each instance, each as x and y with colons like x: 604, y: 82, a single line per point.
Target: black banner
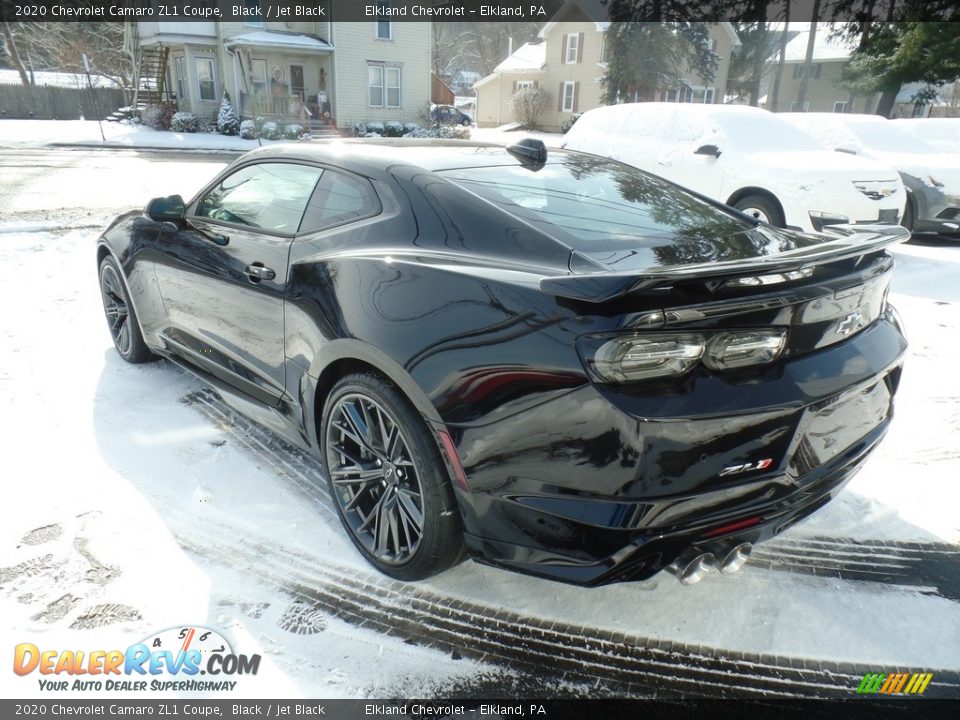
x: 472, y: 10
x: 484, y: 710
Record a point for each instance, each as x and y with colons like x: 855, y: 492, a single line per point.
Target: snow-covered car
x: 941, y: 133
x: 745, y: 157
x: 931, y: 176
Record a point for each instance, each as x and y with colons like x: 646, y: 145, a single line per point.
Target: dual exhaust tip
x: 693, y: 566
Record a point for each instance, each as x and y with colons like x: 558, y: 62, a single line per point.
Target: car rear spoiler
x: 850, y: 241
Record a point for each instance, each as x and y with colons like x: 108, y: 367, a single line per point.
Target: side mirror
x: 166, y: 209
x: 708, y: 150
x: 846, y: 149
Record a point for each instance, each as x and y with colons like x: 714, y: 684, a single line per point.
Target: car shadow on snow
x: 253, y: 513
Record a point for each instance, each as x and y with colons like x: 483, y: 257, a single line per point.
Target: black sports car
x: 551, y: 361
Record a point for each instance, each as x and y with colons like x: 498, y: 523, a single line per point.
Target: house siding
x: 356, y: 46
x: 822, y: 91
x: 494, y: 95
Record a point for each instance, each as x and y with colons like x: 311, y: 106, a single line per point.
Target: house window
x: 794, y: 106
x: 383, y: 30
x: 180, y: 73
x: 572, y: 41
x: 603, y: 48
x: 840, y: 106
x: 383, y: 85
x: 523, y: 84
x: 569, y: 92
x: 252, y: 6
x: 258, y: 77
x: 688, y: 94
x: 671, y: 95
x: 708, y: 96
x: 814, y: 71
x: 206, y: 79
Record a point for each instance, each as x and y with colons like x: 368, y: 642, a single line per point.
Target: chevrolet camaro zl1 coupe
x: 549, y: 361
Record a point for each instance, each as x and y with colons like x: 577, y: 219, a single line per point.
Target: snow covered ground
x: 136, y: 502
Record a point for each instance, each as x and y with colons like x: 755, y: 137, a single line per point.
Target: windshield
x: 765, y: 134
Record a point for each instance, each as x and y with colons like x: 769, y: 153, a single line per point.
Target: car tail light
x: 735, y: 350
x: 633, y: 358
x: 641, y: 357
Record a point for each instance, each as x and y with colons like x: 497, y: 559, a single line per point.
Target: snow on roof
x: 525, y: 58
x: 280, y: 39
x: 823, y: 48
x: 51, y: 78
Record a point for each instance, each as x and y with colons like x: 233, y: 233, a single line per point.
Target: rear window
x: 595, y: 204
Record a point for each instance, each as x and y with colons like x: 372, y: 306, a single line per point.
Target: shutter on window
x: 579, y: 47
x: 563, y: 48
x: 576, y: 95
x: 560, y: 99
x: 514, y: 86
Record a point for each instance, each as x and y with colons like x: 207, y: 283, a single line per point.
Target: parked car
x: 554, y: 362
x: 931, y: 176
x: 941, y: 133
x: 745, y: 157
x: 449, y: 115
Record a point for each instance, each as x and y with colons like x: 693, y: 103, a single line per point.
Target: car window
x: 270, y: 196
x: 339, y: 197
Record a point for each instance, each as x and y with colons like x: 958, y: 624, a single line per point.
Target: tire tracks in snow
x: 582, y: 656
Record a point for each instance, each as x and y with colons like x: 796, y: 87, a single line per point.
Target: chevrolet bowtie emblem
x: 850, y: 323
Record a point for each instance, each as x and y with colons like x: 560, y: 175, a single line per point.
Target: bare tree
x: 11, y: 47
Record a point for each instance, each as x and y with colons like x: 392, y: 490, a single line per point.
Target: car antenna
x: 530, y: 149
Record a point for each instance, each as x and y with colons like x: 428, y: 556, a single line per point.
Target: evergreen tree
x: 227, y: 121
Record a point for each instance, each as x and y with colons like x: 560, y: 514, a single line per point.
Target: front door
x: 224, y: 273
x: 296, y: 82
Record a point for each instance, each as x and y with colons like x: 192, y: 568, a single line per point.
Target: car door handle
x: 258, y: 272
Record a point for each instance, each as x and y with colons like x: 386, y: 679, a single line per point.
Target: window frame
x: 575, y: 46
x: 254, y: 63
x: 377, y: 24
x: 180, y: 76
x: 213, y: 77
x: 387, y: 86
x: 572, y: 84
x: 843, y: 106
x: 523, y: 85
x: 381, y: 68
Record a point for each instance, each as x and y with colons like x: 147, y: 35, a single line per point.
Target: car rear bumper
x: 601, y: 486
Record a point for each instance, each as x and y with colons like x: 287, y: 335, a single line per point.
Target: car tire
x: 465, y: 122
x: 386, y: 474
x: 761, y: 207
x: 121, y: 317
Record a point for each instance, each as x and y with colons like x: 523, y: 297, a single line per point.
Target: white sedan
x: 745, y: 157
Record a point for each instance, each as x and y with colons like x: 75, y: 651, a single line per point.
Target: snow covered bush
x: 185, y: 122
x: 359, y: 129
x: 227, y: 121
x: 567, y: 124
x: 270, y: 130
x: 393, y: 129
x: 248, y: 130
x: 293, y: 131
x: 446, y: 132
x: 528, y: 105
x: 410, y: 127
x: 157, y: 116
x: 258, y: 122
x: 376, y: 127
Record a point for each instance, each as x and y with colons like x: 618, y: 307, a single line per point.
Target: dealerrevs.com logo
x: 169, y: 660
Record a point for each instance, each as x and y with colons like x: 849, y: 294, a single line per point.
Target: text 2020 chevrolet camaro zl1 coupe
x: 553, y: 362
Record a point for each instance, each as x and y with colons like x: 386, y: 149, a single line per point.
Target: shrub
x: 157, y: 116
x: 376, y: 127
x: 227, y: 121
x: 270, y: 130
x: 258, y: 122
x: 410, y: 127
x: 567, y: 124
x: 185, y: 122
x: 528, y: 105
x: 447, y: 132
x: 293, y: 131
x: 393, y: 129
x: 248, y: 130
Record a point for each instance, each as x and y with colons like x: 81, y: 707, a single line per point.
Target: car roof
x: 373, y: 156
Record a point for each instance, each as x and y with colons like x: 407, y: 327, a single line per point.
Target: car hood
x: 815, y: 164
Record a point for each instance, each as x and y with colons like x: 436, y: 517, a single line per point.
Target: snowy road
x: 137, y: 501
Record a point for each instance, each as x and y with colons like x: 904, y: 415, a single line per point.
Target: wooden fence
x: 58, y: 103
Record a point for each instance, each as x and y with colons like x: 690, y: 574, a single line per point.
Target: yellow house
x: 569, y: 60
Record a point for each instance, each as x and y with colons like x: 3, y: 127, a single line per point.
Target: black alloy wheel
x: 121, y: 317
x: 388, y: 481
